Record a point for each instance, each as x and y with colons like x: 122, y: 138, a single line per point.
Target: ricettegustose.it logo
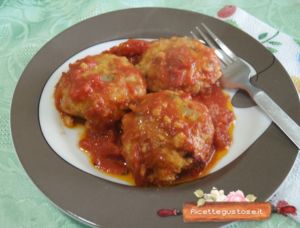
x: 219, y: 207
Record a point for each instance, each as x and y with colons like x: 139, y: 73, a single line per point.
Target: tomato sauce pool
x: 221, y: 111
x: 104, y: 150
x: 103, y: 146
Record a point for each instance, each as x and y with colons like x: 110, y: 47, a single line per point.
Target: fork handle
x: 279, y: 117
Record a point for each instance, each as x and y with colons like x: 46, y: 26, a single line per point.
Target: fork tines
x: 212, y: 40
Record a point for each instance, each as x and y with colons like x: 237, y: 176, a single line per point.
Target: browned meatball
x: 179, y: 63
x: 165, y: 137
x: 99, y: 88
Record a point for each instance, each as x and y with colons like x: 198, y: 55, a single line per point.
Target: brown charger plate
x: 92, y: 200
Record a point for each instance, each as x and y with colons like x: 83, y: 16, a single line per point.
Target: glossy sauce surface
x: 131, y: 49
x: 99, y: 88
x: 166, y: 134
x: 103, y: 144
x: 179, y: 63
x: 104, y: 147
x: 221, y: 111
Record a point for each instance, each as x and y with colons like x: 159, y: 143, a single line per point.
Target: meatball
x: 179, y: 63
x: 167, y: 136
x: 99, y: 88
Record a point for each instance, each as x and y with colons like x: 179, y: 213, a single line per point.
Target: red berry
x: 287, y: 210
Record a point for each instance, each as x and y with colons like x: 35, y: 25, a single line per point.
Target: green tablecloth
x: 25, y: 26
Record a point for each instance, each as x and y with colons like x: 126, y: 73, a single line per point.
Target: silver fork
x: 236, y: 75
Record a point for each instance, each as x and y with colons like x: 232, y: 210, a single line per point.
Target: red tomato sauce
x: 220, y: 109
x: 179, y: 66
x: 131, y: 49
x: 104, y: 149
x: 104, y: 146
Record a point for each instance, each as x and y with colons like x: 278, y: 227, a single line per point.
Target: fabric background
x: 25, y: 26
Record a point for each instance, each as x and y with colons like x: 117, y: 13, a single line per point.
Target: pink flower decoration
x: 237, y: 196
x: 227, y: 11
